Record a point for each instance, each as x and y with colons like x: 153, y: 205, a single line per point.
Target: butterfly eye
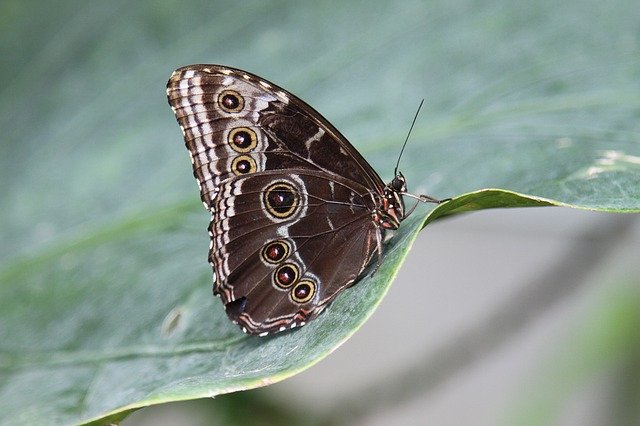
x: 285, y: 276
x: 242, y: 139
x: 399, y: 184
x: 230, y: 101
x: 303, y: 291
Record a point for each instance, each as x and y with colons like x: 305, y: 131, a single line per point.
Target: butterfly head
x: 399, y: 183
x: 391, y: 210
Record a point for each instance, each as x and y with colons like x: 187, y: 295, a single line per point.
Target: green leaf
x: 105, y: 292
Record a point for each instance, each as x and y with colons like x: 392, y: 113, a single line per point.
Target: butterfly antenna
x: 395, y: 171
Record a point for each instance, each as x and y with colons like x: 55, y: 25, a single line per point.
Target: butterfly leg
x: 412, y: 209
x: 428, y: 199
x: 379, y: 250
x: 422, y: 199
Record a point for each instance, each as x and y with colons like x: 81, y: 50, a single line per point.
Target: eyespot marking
x: 281, y: 200
x: 230, y: 101
x: 303, y: 291
x: 242, y: 139
x: 285, y: 276
x: 276, y: 251
x: 243, y: 165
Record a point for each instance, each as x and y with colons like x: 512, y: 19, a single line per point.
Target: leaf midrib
x: 80, y: 238
x: 9, y: 361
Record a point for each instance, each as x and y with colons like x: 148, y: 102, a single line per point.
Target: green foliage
x: 105, y: 293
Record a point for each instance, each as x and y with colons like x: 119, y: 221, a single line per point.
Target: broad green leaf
x: 105, y: 292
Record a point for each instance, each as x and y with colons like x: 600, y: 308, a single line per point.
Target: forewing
x: 283, y: 131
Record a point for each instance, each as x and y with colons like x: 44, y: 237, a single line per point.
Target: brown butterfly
x: 296, y: 212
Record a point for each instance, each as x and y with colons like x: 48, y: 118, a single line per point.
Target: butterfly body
x: 297, y: 212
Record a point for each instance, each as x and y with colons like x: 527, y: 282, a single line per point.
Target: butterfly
x: 296, y: 212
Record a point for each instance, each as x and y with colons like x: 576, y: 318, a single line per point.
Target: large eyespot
x: 243, y: 164
x: 303, y: 291
x: 230, y: 101
x: 285, y: 275
x: 281, y: 199
x: 276, y: 251
x: 242, y: 139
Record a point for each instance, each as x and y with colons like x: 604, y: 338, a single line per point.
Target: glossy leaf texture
x: 105, y: 292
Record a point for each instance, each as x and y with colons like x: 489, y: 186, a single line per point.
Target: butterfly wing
x: 291, y: 199
x: 283, y: 246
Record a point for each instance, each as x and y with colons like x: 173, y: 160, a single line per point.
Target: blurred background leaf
x: 608, y: 341
x: 104, y: 287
